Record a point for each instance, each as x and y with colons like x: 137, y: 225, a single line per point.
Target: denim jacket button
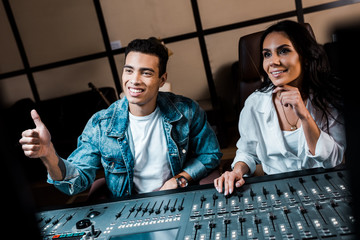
x: 184, y: 151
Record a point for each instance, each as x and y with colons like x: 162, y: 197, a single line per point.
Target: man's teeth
x: 135, y: 90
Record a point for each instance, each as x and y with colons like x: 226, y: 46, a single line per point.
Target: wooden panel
x: 56, y: 30
x: 14, y: 89
x: 216, y: 13
x: 128, y: 19
x: 9, y: 58
x: 71, y: 79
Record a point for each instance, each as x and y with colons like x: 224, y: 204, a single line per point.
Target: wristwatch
x: 181, y: 181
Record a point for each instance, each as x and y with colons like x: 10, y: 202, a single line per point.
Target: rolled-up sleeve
x: 247, y: 144
x: 245, y: 156
x: 68, y: 184
x: 205, y: 149
x: 330, y: 147
x: 82, y: 164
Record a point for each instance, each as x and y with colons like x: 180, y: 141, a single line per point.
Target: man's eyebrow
x: 141, y: 69
x: 147, y: 69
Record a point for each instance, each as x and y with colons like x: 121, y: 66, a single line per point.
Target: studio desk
x: 309, y: 204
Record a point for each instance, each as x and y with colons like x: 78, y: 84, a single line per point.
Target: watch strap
x: 181, y: 181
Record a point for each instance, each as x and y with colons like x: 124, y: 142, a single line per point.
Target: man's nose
x: 135, y: 79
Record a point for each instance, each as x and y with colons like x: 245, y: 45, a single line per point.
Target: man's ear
x: 163, y: 79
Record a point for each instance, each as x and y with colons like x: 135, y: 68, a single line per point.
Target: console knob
x: 93, y: 214
x: 84, y: 223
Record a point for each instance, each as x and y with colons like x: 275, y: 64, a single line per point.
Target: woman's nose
x: 275, y: 60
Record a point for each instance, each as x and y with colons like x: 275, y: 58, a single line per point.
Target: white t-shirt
x: 149, y: 148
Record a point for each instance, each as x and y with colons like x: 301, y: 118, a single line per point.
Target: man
x: 146, y: 141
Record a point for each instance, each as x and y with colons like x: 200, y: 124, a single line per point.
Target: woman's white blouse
x: 262, y: 140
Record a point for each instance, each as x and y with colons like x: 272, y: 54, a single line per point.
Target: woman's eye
x: 284, y: 51
x: 266, y: 54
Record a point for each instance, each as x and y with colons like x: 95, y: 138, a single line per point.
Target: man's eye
x: 128, y: 70
x: 146, y: 73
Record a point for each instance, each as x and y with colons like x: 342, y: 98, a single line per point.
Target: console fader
x: 310, y: 204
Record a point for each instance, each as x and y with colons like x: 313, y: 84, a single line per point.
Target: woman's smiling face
x: 281, y: 61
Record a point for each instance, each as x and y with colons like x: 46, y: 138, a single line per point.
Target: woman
x: 292, y: 122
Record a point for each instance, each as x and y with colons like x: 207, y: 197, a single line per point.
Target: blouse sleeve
x: 246, y: 145
x: 331, y: 145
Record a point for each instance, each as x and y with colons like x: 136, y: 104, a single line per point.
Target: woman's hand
x: 228, y: 179
x: 290, y: 96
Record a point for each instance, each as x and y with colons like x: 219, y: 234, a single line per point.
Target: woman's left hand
x: 290, y: 96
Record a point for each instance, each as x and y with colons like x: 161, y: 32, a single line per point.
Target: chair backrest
x: 249, y: 57
x: 249, y: 63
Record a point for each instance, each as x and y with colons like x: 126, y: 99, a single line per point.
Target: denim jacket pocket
x: 116, y: 176
x: 183, y: 148
x: 113, y: 165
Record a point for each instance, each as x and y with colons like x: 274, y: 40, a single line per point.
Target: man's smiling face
x: 141, y: 82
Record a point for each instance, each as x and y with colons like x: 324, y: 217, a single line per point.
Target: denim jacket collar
x: 168, y: 110
x: 119, y: 122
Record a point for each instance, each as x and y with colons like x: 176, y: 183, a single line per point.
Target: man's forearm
x: 186, y: 175
x: 172, y: 183
x: 54, y: 165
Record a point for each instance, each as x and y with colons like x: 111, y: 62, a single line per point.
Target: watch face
x: 182, y: 181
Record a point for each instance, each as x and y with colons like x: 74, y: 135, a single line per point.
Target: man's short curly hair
x: 150, y: 46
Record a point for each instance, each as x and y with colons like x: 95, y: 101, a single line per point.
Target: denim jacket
x: 191, y: 143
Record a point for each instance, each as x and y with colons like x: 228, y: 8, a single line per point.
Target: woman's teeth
x: 277, y: 72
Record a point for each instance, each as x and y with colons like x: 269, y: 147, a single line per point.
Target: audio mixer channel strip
x: 310, y: 204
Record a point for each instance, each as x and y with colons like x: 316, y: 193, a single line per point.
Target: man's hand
x: 172, y: 183
x: 36, y: 142
x: 169, y: 184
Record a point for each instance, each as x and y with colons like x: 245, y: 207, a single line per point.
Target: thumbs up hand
x: 36, y: 143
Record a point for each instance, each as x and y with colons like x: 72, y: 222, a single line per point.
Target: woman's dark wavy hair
x: 317, y: 77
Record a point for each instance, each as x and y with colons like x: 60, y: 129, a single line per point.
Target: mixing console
x: 310, y: 204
